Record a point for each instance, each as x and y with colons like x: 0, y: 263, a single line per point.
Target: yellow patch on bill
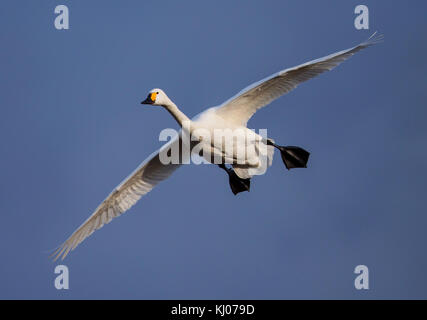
x: 153, y: 96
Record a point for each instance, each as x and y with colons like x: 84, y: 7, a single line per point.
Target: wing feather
x: 149, y: 173
x: 243, y: 105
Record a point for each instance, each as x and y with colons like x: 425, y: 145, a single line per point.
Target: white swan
x: 234, y: 113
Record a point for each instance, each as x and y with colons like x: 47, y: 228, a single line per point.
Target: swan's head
x: 156, y: 97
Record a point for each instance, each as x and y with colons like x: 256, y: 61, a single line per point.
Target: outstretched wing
x: 149, y: 173
x: 242, y: 106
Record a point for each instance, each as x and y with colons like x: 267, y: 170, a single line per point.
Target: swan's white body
x: 232, y: 114
x: 246, y: 150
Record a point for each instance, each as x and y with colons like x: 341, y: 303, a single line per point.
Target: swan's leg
x: 293, y: 157
x: 237, y: 184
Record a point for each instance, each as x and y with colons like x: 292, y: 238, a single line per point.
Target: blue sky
x: 72, y: 128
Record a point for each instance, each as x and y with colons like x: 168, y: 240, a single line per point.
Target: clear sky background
x: 71, y: 128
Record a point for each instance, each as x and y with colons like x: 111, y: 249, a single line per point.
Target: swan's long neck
x: 179, y: 116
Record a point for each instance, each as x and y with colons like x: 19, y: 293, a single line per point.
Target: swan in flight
x: 233, y: 113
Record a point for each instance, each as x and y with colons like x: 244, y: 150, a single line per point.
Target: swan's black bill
x: 148, y: 100
x: 237, y: 184
x: 293, y: 157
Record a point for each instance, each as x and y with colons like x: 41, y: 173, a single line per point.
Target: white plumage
x: 233, y: 114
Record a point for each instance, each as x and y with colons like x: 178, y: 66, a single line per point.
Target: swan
x: 233, y: 113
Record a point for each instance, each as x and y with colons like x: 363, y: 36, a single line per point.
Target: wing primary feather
x: 242, y: 106
x: 142, y: 180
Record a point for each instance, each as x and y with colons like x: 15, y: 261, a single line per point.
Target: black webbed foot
x: 293, y: 157
x: 237, y: 184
